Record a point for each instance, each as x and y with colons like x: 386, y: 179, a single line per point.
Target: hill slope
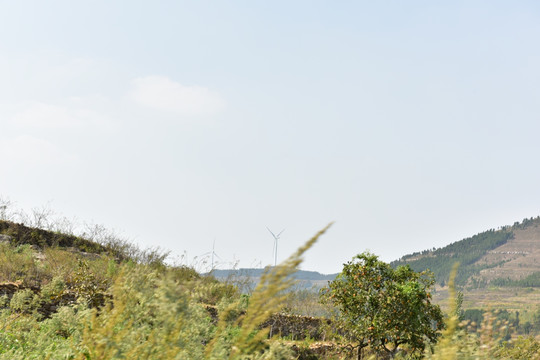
x: 509, y: 256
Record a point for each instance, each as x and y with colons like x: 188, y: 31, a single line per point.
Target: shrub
x: 24, y: 301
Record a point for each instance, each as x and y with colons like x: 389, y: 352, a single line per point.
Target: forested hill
x: 509, y: 256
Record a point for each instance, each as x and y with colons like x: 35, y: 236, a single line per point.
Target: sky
x: 192, y: 125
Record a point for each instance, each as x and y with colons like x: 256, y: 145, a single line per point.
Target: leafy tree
x: 385, y: 308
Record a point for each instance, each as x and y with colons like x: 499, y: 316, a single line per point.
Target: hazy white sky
x: 411, y: 124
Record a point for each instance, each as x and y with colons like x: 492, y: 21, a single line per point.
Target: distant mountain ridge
x: 309, y: 280
x: 509, y: 256
x: 257, y: 272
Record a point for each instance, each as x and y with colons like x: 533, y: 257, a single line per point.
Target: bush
x: 24, y: 301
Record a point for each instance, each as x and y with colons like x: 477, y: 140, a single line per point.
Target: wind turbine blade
x: 281, y: 232
x: 271, y: 232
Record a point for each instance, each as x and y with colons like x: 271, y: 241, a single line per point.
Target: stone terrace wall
x: 293, y: 327
x: 297, y: 327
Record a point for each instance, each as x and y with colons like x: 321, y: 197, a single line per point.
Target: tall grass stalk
x: 267, y: 298
x: 447, y: 349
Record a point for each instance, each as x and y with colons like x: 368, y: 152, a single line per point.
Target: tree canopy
x: 385, y: 308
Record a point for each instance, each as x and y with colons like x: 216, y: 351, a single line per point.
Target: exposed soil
x: 519, y: 257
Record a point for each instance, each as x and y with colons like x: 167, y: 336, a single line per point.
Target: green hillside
x: 472, y: 255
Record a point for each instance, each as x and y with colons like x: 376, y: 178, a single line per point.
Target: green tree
x: 385, y: 308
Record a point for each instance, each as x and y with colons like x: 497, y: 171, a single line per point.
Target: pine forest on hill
x: 483, y: 254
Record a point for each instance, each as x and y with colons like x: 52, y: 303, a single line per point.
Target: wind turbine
x: 276, y: 238
x: 212, y: 254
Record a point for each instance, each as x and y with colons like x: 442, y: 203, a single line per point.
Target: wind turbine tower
x: 212, y: 255
x: 276, y: 238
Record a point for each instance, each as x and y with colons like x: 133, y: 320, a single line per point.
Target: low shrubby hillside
x: 64, y: 296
